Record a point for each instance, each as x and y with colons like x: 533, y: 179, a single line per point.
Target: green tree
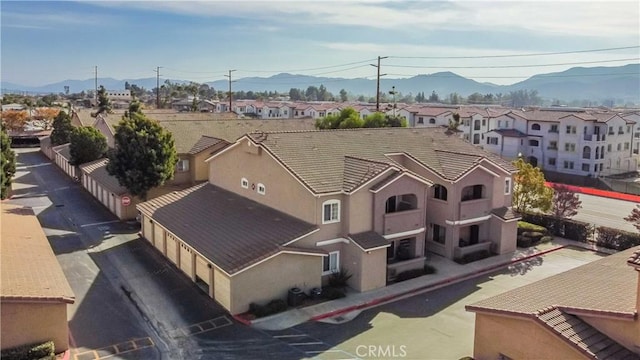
x: 375, y: 120
x: 566, y: 202
x: 434, y: 98
x: 634, y: 217
x: 104, y: 104
x: 343, y: 95
x: 87, y: 144
x: 529, y: 190
x: 144, y: 156
x: 62, y: 129
x: 8, y: 158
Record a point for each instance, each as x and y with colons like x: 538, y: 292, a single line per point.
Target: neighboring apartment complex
x: 287, y: 209
x: 590, y: 312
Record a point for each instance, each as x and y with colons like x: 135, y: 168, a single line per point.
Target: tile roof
x: 506, y: 213
x: 228, y: 229
x: 205, y: 142
x: 510, y: 133
x: 369, y: 240
x: 187, y: 134
x: 584, y: 337
x: 359, y: 171
x: 433, y: 111
x: 603, y: 286
x: 23, y: 245
x: 317, y: 157
x: 634, y: 259
x: 98, y: 171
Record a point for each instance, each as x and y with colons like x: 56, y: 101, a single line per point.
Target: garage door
x: 185, y: 260
x: 172, y: 252
x: 105, y: 198
x: 158, y: 238
x: 202, y: 269
x: 147, y: 231
x: 112, y: 204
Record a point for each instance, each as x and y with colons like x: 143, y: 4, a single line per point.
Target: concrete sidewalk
x: 448, y: 272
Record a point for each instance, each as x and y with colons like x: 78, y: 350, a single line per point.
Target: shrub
x: 409, y: 274
x: 28, y: 352
x: 546, y: 239
x: 273, y: 307
x: 428, y: 269
x: 339, y: 279
x: 616, y: 239
x: 533, y: 235
x: 577, y: 230
x: 524, y: 226
x: 331, y: 293
x: 524, y: 242
x: 474, y: 256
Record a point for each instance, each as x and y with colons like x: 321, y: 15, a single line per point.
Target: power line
x: 512, y: 77
x: 515, y: 55
x: 509, y: 66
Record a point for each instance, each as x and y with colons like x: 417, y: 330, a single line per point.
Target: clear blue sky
x: 46, y: 42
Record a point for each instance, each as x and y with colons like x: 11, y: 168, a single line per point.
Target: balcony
x: 594, y: 137
x: 396, y: 268
x: 402, y: 221
x: 461, y: 251
x: 474, y: 208
x: 554, y: 148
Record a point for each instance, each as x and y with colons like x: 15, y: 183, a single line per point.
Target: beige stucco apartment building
x: 371, y: 201
x: 34, y: 292
x: 590, y: 312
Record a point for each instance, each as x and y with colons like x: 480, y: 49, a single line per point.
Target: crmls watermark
x: 381, y: 351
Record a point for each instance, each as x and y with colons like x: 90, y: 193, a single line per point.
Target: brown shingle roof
x: 506, y: 213
x: 317, y: 157
x: 205, y: 142
x: 603, y: 286
x: 187, y: 133
x: 634, y: 259
x: 584, y: 337
x: 29, y: 269
x: 369, y: 240
x: 98, y: 171
x: 231, y: 231
x: 359, y: 171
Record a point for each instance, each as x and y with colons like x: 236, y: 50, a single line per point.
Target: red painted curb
x: 65, y: 355
x: 449, y: 281
x: 598, y: 192
x: 242, y: 320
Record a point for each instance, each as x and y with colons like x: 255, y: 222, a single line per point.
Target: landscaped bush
x: 546, y: 239
x: 546, y: 221
x: 339, y: 279
x: 616, y: 239
x: 524, y: 242
x: 331, y: 293
x: 273, y: 307
x: 44, y: 351
x: 570, y: 229
x: 533, y: 235
x: 409, y: 274
x: 428, y: 269
x: 474, y: 256
x: 524, y: 226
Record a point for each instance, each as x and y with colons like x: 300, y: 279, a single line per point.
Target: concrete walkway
x: 448, y: 272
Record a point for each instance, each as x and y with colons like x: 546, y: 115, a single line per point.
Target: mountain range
x: 621, y: 83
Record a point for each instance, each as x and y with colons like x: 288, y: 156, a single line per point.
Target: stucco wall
x: 283, y: 191
x: 517, y: 339
x: 358, y: 211
x: 626, y: 333
x: 273, y: 278
x: 28, y: 323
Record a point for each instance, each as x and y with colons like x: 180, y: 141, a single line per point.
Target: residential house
x: 590, y: 312
x: 370, y: 201
x: 34, y: 293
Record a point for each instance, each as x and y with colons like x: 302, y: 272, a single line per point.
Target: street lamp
x: 393, y: 92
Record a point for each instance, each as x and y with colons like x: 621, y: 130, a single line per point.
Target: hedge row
x: 616, y: 239
x: 44, y: 351
x: 474, y: 256
x: 414, y: 273
x: 273, y: 307
x: 569, y: 229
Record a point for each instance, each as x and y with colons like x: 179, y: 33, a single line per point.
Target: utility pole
x: 230, y: 93
x: 157, y: 71
x: 378, y: 82
x: 96, y: 84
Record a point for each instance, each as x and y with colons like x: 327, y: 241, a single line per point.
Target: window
x: 609, y: 148
x: 586, y: 152
x: 619, y: 146
x: 569, y: 147
x: 506, y: 123
x: 476, y: 125
x: 403, y: 202
x: 553, y: 145
x: 610, y: 130
x: 507, y: 186
x: 620, y: 130
x: 568, y: 164
x: 626, y: 146
x: 534, y: 143
x: 472, y: 192
x: 484, y: 123
x: 439, y: 233
x: 182, y: 165
x: 535, y: 126
x: 492, y: 140
x: 261, y: 189
x: 476, y: 139
x: 554, y: 128
x: 552, y: 161
x: 440, y: 192
x: 244, y: 183
x: 432, y: 121
x: 331, y: 263
x: 331, y: 211
x: 571, y: 129
x: 499, y: 124
x: 600, y: 167
x: 585, y: 167
x: 420, y: 120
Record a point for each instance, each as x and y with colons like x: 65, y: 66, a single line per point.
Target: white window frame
x: 331, y: 203
x: 333, y: 267
x: 244, y: 183
x: 261, y: 189
x: 507, y: 186
x: 181, y: 167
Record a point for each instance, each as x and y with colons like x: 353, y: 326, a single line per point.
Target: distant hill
x: 579, y: 83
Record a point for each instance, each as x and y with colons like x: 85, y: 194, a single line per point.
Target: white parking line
x: 100, y: 223
x: 289, y: 336
x: 307, y: 343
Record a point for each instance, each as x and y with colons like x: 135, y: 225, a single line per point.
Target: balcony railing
x: 553, y: 131
x: 552, y: 148
x: 402, y: 221
x: 400, y: 266
x: 459, y: 252
x: 474, y: 208
x: 594, y: 137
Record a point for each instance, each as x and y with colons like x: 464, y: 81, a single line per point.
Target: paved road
x: 131, y: 303
x: 605, y: 212
x: 432, y: 325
